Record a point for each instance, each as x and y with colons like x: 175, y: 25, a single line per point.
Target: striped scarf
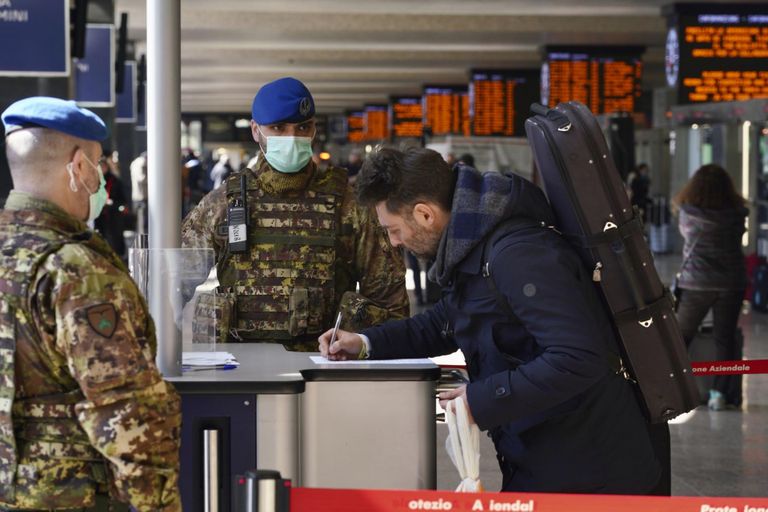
x: 481, y: 201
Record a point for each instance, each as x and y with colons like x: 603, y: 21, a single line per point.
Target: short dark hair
x: 710, y: 188
x: 403, y: 178
x: 468, y: 159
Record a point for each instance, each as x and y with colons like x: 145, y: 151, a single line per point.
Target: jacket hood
x: 482, y: 201
x: 713, y: 220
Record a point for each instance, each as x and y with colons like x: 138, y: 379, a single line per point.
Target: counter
x: 358, y: 425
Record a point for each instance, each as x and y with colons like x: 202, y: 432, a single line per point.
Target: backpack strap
x: 613, y: 359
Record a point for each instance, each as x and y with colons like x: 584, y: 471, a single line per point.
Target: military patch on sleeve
x: 102, y: 319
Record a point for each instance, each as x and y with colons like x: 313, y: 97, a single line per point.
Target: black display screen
x: 446, y: 109
x: 606, y: 79
x: 406, y: 116
x: 718, y: 52
x: 500, y: 100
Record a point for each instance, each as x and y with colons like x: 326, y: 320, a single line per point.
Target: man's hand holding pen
x: 346, y: 346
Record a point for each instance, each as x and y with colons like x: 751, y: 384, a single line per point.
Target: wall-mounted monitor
x: 604, y: 78
x: 406, y: 116
x: 355, y: 126
x: 717, y: 52
x: 446, y: 109
x: 500, y: 100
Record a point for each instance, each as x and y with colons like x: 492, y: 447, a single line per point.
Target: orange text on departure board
x: 376, y: 125
x: 603, y: 84
x: 407, y: 119
x: 447, y: 112
x: 355, y: 126
x: 494, y: 109
x: 714, y: 48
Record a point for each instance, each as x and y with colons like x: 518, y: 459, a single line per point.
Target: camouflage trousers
x: 103, y: 504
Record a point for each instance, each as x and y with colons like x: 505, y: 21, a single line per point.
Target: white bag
x: 463, y: 446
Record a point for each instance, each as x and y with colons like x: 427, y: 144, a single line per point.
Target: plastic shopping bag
x: 463, y: 446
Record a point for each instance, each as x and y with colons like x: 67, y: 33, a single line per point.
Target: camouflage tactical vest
x: 50, y: 419
x: 284, y: 286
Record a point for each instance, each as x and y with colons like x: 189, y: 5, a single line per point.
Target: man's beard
x: 424, y: 243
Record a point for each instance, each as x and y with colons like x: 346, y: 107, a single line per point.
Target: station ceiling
x: 352, y: 52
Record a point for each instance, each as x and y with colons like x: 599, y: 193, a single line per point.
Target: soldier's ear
x: 255, y: 132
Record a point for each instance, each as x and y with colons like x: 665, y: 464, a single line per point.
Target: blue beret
x: 56, y: 114
x: 286, y: 100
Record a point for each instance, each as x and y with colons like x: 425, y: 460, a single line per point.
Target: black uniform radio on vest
x: 237, y: 221
x: 594, y: 213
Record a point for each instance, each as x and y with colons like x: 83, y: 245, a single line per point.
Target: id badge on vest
x: 237, y: 221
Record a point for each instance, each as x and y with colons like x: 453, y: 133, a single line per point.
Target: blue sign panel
x: 34, y: 37
x: 95, y: 74
x: 126, y: 100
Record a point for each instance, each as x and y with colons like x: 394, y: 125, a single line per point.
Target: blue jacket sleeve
x: 418, y: 336
x: 550, y: 293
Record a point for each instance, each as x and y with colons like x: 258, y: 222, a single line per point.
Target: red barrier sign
x: 740, y: 367
x: 336, y: 500
x: 730, y: 367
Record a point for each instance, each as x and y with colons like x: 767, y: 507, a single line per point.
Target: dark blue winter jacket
x: 543, y: 380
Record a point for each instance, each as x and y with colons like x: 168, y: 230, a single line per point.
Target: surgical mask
x: 97, y: 199
x: 288, y: 154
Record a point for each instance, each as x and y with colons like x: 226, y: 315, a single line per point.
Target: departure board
x: 406, y: 116
x: 606, y: 79
x: 376, y: 123
x: 717, y: 52
x: 355, y: 126
x: 446, y: 109
x: 500, y: 100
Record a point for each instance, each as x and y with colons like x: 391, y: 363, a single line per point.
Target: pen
x: 459, y: 376
x: 335, y: 330
x: 210, y: 367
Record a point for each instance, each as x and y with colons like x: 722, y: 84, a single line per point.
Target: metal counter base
x: 368, y: 435
x: 369, y: 426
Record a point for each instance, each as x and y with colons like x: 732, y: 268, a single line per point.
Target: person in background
x: 450, y: 159
x: 196, y: 182
x: 713, y: 273
x: 139, y: 195
x: 467, y: 159
x: 86, y: 419
x: 111, y: 223
x: 541, y: 352
x: 221, y: 170
x: 310, y: 250
x: 354, y: 162
x: 639, y: 183
x: 415, y: 265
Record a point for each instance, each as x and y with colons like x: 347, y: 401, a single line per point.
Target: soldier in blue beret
x: 292, y: 250
x: 86, y: 419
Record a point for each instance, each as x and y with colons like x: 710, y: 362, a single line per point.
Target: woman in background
x: 713, y: 273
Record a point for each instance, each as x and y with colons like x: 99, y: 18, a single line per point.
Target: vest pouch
x: 215, y: 313
x: 8, y: 453
x: 298, y: 304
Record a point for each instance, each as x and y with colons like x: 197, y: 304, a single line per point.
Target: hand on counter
x: 347, y: 345
x: 447, y: 398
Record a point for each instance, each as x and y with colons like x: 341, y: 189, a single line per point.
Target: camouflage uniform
x: 90, y: 412
x: 310, y: 244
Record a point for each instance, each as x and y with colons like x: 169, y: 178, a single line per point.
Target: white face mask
x: 287, y: 154
x: 97, y: 199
